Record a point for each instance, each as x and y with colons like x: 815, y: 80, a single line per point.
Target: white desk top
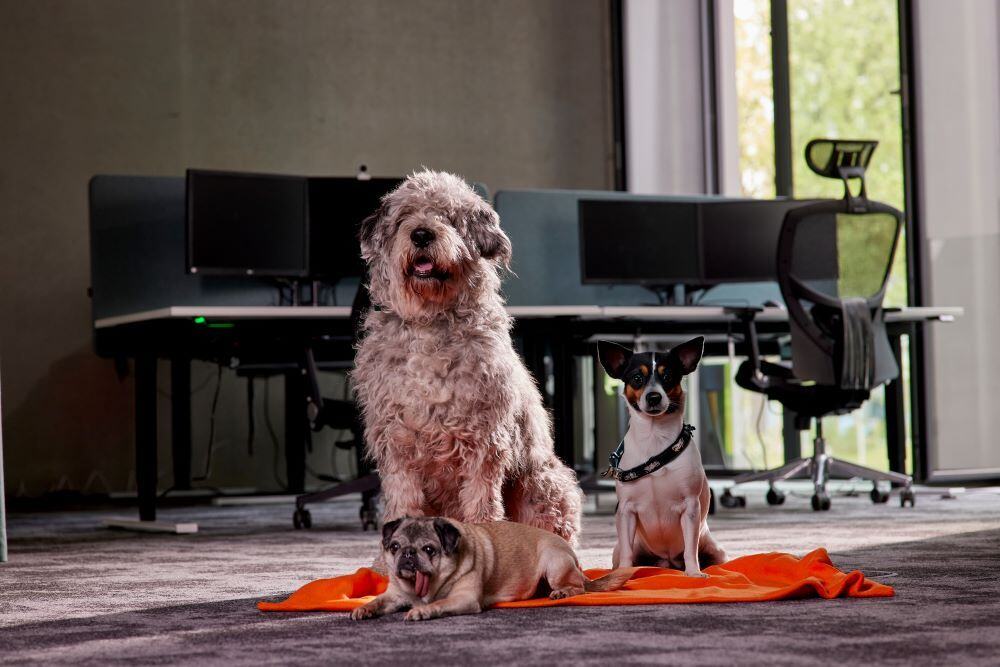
x: 661, y: 313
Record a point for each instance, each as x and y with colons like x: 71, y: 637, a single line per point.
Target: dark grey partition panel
x: 544, y: 231
x: 137, y: 253
x: 137, y: 247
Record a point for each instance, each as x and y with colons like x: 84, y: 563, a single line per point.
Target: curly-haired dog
x: 453, y: 419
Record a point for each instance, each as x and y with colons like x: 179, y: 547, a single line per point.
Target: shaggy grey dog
x: 453, y: 419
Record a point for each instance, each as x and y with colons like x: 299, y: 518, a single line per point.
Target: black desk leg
x: 145, y: 436
x: 295, y: 431
x: 895, y: 415
x: 564, y: 380
x: 533, y: 353
x: 180, y: 420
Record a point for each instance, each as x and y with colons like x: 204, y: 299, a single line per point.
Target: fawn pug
x: 441, y: 567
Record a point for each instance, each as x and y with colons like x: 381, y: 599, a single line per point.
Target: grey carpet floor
x: 76, y: 593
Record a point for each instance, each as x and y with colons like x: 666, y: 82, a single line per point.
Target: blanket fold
x: 756, y: 578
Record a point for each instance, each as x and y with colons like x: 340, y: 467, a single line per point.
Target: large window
x: 843, y: 75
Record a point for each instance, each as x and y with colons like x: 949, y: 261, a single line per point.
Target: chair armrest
x: 748, y: 318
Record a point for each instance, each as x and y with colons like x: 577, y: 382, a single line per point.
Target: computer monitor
x: 337, y: 206
x: 247, y: 224
x: 640, y: 242
x: 739, y: 239
x: 697, y: 243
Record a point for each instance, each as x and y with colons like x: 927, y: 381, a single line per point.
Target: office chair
x: 340, y: 415
x: 833, y: 263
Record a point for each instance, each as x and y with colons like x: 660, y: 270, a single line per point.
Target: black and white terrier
x: 663, y: 494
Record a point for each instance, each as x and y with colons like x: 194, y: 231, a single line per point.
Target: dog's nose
x: 421, y: 237
x: 653, y: 399
x: 409, y: 552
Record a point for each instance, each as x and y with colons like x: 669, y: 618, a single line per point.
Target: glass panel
x: 755, y: 97
x: 844, y: 74
x: 858, y: 437
x: 864, y: 247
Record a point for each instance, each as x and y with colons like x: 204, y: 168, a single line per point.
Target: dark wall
x: 512, y: 93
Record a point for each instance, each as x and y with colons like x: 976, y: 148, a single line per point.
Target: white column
x: 664, y: 116
x: 726, y: 105
x: 957, y: 98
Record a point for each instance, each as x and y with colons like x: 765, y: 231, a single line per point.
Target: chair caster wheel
x: 730, y: 500
x: 821, y: 502
x: 302, y: 518
x: 907, y: 496
x: 775, y: 497
x: 878, y: 497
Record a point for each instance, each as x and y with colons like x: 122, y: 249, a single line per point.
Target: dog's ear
x: 689, y: 354
x: 388, y: 529
x: 448, y: 535
x: 491, y: 241
x: 613, y: 357
x: 366, y: 232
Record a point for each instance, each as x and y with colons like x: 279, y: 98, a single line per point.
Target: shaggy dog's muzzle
x: 431, y: 260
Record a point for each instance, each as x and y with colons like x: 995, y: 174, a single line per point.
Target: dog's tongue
x: 424, y: 265
x: 421, y: 584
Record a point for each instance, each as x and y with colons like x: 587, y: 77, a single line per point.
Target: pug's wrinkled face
x: 422, y: 552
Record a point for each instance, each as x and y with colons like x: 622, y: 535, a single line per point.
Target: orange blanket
x: 773, y: 576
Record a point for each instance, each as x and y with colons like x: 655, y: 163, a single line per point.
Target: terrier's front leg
x: 625, y: 526
x: 691, y: 528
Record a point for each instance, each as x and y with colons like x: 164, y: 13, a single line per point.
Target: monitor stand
x: 668, y: 295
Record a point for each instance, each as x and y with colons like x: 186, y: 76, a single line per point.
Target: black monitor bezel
x: 299, y: 272
x: 336, y: 276
x: 629, y: 280
x: 694, y: 281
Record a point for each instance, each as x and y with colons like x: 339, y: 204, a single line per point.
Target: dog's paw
x: 361, y: 613
x: 698, y: 574
x: 421, y: 613
x: 565, y: 593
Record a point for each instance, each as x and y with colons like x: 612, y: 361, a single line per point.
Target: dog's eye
x: 430, y: 551
x: 637, y: 380
x: 394, y: 547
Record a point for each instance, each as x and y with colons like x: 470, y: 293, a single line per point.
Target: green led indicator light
x: 199, y: 320
x: 221, y: 325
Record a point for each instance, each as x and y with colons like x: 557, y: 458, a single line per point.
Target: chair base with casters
x: 338, y: 415
x: 820, y: 468
x: 368, y: 486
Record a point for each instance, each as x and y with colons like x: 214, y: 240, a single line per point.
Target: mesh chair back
x: 834, y: 260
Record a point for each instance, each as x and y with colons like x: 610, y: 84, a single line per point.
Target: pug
x: 440, y: 567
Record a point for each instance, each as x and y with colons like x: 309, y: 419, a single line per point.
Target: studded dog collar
x: 653, y: 463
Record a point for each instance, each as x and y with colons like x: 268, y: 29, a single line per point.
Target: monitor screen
x: 247, y: 224
x: 740, y: 239
x: 696, y: 243
x: 337, y: 206
x: 639, y: 242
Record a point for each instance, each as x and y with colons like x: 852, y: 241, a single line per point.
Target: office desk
x: 274, y: 335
